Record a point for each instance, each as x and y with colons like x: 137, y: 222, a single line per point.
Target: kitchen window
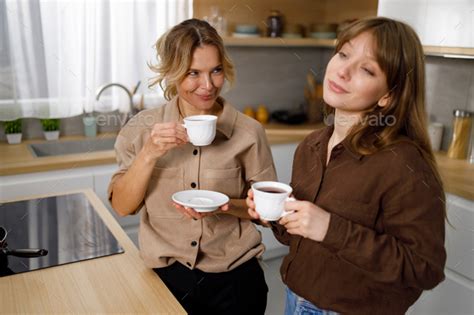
x: 55, y: 53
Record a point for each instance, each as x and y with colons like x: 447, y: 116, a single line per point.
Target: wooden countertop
x: 115, y: 284
x: 458, y: 175
x: 17, y: 158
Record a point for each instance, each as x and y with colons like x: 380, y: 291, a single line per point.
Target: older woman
x: 207, y: 261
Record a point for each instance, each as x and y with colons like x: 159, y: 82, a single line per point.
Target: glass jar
x: 275, y: 24
x: 459, y: 146
x: 216, y: 20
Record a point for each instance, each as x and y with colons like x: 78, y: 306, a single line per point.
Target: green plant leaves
x: 12, y: 126
x: 50, y: 124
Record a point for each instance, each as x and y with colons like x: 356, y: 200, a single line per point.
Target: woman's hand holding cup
x: 272, y: 201
x: 308, y: 220
x: 164, y: 137
x: 266, y: 201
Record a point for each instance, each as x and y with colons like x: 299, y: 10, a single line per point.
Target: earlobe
x: 384, y: 100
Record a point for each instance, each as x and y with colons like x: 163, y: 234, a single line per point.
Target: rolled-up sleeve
x: 125, y: 155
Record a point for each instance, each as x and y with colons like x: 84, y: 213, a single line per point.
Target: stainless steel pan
x: 27, y: 252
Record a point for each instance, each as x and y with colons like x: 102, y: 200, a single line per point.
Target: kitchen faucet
x: 132, y: 109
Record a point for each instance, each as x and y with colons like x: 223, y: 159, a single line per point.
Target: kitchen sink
x: 71, y: 147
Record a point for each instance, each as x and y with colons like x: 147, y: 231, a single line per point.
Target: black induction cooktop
x: 67, y: 227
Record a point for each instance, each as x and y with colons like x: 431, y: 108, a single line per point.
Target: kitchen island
x: 114, y: 284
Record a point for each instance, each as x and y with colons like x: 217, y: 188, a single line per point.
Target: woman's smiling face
x: 354, y: 81
x: 204, y: 80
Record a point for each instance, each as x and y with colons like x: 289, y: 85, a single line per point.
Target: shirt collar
x: 356, y: 155
x: 322, y: 139
x: 172, y: 112
x: 227, y: 119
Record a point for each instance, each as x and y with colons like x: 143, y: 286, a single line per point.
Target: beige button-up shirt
x: 239, y: 155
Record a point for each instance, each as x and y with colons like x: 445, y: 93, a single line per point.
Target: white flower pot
x: 51, y: 135
x: 14, y: 138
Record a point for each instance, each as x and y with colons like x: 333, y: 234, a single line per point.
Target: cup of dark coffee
x: 270, y: 198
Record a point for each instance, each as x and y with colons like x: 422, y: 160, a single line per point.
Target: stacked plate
x: 246, y: 30
x: 323, y: 31
x: 323, y: 35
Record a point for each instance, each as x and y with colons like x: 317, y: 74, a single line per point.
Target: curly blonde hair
x: 175, y: 49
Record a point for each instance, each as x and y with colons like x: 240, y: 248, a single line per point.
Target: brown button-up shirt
x: 385, y: 242
x: 239, y: 155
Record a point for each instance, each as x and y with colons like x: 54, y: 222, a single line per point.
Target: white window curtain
x: 54, y: 54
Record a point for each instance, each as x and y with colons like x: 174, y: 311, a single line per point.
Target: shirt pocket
x: 164, y: 182
x: 227, y: 181
x: 363, y: 213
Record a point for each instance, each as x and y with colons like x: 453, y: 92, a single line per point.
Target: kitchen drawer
x: 460, y: 236
x: 25, y: 185
x: 453, y: 296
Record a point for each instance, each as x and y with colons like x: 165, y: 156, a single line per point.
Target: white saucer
x: 200, y: 200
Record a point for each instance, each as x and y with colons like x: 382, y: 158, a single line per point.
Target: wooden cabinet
x: 445, y: 27
x: 304, y: 12
x: 25, y: 185
x: 455, y: 294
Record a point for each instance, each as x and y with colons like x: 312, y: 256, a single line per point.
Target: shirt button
x: 193, y: 243
x: 193, y: 185
x: 195, y: 152
x: 188, y: 263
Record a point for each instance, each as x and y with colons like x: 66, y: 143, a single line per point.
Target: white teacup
x: 201, y: 129
x: 270, y: 198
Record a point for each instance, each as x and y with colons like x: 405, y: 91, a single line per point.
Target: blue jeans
x: 296, y: 305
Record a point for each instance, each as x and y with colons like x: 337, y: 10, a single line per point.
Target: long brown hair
x: 175, y: 49
x: 399, y: 54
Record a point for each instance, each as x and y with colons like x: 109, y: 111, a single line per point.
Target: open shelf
x: 447, y: 52
x: 278, y: 42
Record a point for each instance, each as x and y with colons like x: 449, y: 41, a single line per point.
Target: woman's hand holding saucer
x: 193, y: 214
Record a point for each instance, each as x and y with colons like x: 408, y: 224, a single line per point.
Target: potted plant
x: 50, y: 128
x: 13, y: 131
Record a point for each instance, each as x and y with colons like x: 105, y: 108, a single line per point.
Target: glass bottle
x: 461, y: 133
x: 275, y: 24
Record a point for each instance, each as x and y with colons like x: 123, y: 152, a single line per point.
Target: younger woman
x: 367, y: 234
